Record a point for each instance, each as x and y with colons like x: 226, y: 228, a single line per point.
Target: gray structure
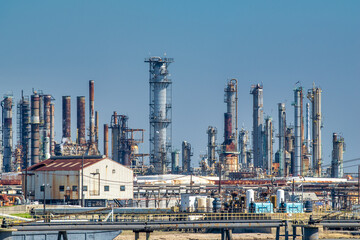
x: 24, y: 129
x: 314, y: 95
x: 160, y: 113
x: 186, y: 157
x: 35, y: 128
x: 337, y: 167
x: 231, y: 101
x: 175, y: 159
x: 243, y: 144
x: 297, y: 131
x: 281, y: 135
x: 258, y: 122
x: 268, y: 144
x: 7, y: 127
x: 212, y: 131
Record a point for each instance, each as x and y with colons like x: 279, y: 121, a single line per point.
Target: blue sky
x: 57, y: 46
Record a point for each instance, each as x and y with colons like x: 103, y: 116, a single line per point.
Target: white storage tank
x: 201, y: 204
x: 249, y: 197
x: 280, y: 197
x: 209, y: 204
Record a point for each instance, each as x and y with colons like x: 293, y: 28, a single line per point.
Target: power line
x: 347, y: 161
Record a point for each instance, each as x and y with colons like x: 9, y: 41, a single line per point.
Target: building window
x: 113, y: 171
x: 61, y: 188
x: 85, y: 188
x: 106, y: 188
x: 42, y: 188
x: 74, y: 188
x: 122, y: 188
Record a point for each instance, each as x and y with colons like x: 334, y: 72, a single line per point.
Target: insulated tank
x: 249, y: 197
x: 280, y: 194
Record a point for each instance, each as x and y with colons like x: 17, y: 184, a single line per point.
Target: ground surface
x: 128, y: 235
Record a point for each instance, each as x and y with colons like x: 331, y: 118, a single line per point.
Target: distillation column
x: 231, y: 101
x: 314, y: 96
x: 268, y: 144
x: 212, y: 131
x: 52, y: 129
x: 47, y: 127
x: 337, y: 168
x: 91, y: 112
x: 7, y: 105
x: 258, y: 122
x: 282, y: 130
x: 307, y: 131
x: 160, y: 113
x: 35, y: 128
x: 243, y: 141
x: 24, y: 130
x: 66, y: 124
x: 297, y: 131
x: 186, y: 157
x: 81, y: 128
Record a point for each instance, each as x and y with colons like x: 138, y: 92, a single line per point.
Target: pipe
x: 297, y: 132
x: 91, y: 112
x: 96, y: 128
x: 66, y: 118
x: 81, y: 128
x: 35, y: 129
x: 106, y: 140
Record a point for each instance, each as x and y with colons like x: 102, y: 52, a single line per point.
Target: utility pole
x: 82, y: 181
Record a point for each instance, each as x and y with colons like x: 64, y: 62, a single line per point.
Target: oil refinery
x: 244, y: 172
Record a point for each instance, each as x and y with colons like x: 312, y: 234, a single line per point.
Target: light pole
x: 44, y: 189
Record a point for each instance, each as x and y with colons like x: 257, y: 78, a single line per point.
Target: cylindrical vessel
x: 66, y: 117
x: 52, y: 129
x: 280, y: 195
x: 92, y: 111
x: 308, y: 206
x: 106, y: 140
x: 35, y: 129
x: 47, y: 126
x: 249, y: 197
x: 217, y: 205
x: 201, y: 204
x: 7, y: 132
x: 175, y: 161
x: 209, y: 204
x: 228, y: 126
x: 81, y: 129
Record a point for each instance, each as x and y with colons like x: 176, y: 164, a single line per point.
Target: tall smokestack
x: 66, y: 101
x: 298, y: 138
x: 47, y: 126
x: 52, y: 129
x: 282, y: 131
x: 92, y: 111
x: 106, y: 140
x: 7, y: 105
x: 115, y: 130
x: 35, y: 129
x: 81, y: 129
x: 258, y: 122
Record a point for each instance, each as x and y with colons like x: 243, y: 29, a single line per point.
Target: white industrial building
x: 62, y: 177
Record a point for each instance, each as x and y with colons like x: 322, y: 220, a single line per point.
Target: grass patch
x: 23, y: 215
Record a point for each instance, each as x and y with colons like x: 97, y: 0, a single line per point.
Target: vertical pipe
x: 66, y: 101
x: 212, y: 131
x: 268, y: 144
x: 307, y: 132
x: 243, y: 138
x: 96, y: 128
x: 106, y: 140
x: 35, y: 128
x: 7, y: 105
x: 52, y: 129
x: 81, y: 129
x: 91, y: 112
x: 47, y: 126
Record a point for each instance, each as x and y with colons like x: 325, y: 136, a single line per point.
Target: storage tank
x: 280, y: 194
x: 201, y: 204
x: 209, y: 204
x: 249, y: 197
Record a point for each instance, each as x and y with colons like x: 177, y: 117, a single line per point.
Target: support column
x: 147, y: 235
x: 277, y: 233
x: 311, y: 232
x: 294, y: 232
x: 136, y: 235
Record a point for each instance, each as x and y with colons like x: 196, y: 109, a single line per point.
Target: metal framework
x: 160, y: 113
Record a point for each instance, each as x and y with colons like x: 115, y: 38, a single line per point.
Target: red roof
x: 64, y: 164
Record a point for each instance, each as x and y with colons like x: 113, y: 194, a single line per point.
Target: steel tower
x: 258, y: 123
x: 160, y: 113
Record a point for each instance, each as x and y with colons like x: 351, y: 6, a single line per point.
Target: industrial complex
x: 242, y: 172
